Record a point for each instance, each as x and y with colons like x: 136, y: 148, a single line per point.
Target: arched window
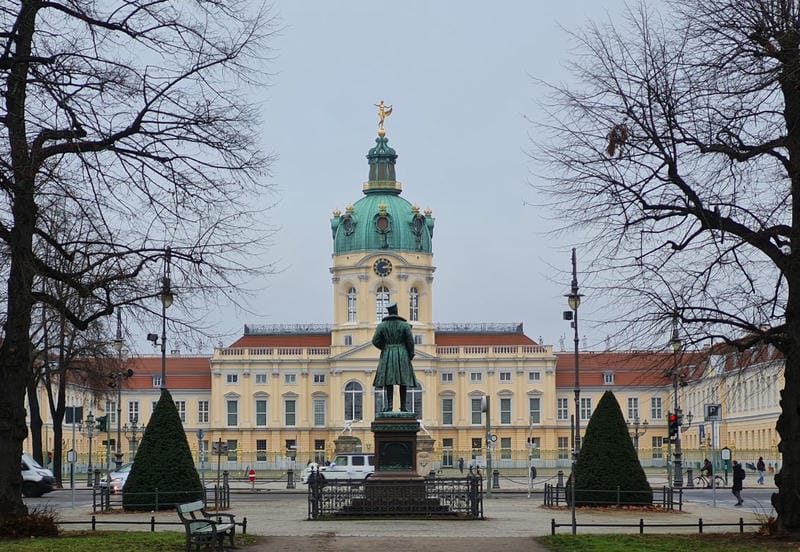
x: 381, y: 302
x: 414, y: 400
x: 380, y: 400
x: 353, y: 401
x: 352, y: 311
x: 413, y: 304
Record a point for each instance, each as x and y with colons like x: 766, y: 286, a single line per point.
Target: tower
x: 382, y: 253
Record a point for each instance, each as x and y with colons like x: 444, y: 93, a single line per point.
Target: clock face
x: 382, y: 267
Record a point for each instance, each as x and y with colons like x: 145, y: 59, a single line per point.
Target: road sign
x: 72, y: 456
x: 713, y: 412
x: 251, y: 475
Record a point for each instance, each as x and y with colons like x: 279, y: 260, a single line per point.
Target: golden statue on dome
x: 383, y: 112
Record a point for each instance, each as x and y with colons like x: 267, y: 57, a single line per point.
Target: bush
x: 608, y: 462
x: 163, y: 473
x: 39, y: 522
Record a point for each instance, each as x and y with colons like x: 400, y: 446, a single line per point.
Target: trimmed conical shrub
x: 608, y: 471
x: 163, y: 472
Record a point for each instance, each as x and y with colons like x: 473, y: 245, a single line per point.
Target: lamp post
x: 574, y: 301
x: 116, y: 381
x: 89, y: 434
x: 131, y: 431
x: 636, y: 433
x: 675, y: 341
x: 166, y: 302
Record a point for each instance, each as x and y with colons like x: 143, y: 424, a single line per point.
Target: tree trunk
x: 35, y: 424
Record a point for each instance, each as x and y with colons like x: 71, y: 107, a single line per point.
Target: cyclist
x: 707, y: 469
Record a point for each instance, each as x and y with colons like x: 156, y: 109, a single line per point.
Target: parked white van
x: 36, y: 480
x: 348, y: 465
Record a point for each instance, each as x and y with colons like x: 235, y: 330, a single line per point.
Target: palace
x: 289, y: 392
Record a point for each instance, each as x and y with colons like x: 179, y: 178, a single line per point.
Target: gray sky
x: 459, y: 77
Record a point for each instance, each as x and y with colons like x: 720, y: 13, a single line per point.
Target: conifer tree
x: 608, y: 461
x: 163, y: 473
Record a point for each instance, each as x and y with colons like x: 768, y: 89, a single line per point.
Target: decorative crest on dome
x: 428, y: 212
x: 415, y: 209
x: 336, y: 212
x: 349, y: 208
x: 382, y: 208
x: 383, y: 112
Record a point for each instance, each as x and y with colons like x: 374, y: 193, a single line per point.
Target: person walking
x: 761, y: 467
x: 461, y: 464
x: 738, y: 480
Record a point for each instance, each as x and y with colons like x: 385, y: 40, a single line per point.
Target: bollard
x: 432, y: 474
x: 689, y: 477
x: 290, y: 479
x: 495, y: 479
x: 560, y: 482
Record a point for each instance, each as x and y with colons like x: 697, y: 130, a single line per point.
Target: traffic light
x: 102, y: 423
x: 672, y: 424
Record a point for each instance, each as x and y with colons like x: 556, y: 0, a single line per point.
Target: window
x: 381, y: 302
x: 505, y: 376
x: 475, y: 377
x: 290, y: 379
x: 261, y: 450
x: 535, y: 446
x: 476, y: 411
x: 562, y: 409
x: 477, y: 447
x: 319, y: 379
x: 447, y: 453
x: 413, y: 304
x: 180, y: 406
x: 261, y: 412
x: 153, y: 409
x: 656, y: 411
x: 203, y: 450
x: 231, y: 378
x: 586, y: 408
x: 233, y: 413
x: 261, y: 379
x: 658, y: 444
x: 563, y: 448
x: 133, y: 412
x: 319, y: 451
x: 380, y: 400
x: 505, y: 410
x: 233, y: 448
x: 505, y: 448
x: 414, y: 398
x: 417, y: 339
x: 534, y: 377
x: 202, y: 412
x: 633, y: 408
x: 447, y: 377
x: 348, y: 340
x: 447, y: 411
x: 534, y: 410
x: 608, y: 378
x: 353, y: 401
x: 319, y: 412
x: 290, y: 412
x: 157, y: 381
x: 352, y: 311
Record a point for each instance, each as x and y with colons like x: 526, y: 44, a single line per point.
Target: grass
x: 725, y: 542
x: 118, y: 541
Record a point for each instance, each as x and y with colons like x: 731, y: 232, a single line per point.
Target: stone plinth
x: 425, y: 458
x: 395, y: 444
x: 346, y: 443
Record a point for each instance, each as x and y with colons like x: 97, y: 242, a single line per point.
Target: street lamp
x: 116, y: 382
x: 636, y: 433
x: 675, y: 341
x: 89, y: 434
x: 131, y: 431
x: 167, y: 298
x: 574, y: 301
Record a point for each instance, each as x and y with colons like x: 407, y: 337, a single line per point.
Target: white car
x: 116, y: 479
x: 348, y: 465
x: 36, y: 479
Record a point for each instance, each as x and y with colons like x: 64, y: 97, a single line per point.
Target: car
x: 347, y: 465
x: 116, y: 479
x: 36, y: 479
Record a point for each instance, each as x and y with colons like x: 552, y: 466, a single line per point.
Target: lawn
x: 727, y: 542
x: 118, y: 541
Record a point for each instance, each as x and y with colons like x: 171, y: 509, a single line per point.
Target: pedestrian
x: 738, y: 479
x: 761, y: 467
x: 461, y: 464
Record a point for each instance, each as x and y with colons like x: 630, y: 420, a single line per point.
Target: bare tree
x: 678, y: 148
x: 134, y: 117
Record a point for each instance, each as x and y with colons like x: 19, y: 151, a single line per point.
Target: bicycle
x: 704, y: 481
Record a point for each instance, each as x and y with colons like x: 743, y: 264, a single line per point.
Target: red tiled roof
x: 630, y: 368
x: 456, y: 339
x: 287, y: 340
x: 182, y: 372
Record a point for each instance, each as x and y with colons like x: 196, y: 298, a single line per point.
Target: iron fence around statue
x: 440, y: 497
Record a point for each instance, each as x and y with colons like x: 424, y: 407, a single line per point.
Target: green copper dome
x: 382, y: 220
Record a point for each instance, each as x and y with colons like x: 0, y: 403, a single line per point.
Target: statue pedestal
x: 395, y: 480
x: 346, y: 443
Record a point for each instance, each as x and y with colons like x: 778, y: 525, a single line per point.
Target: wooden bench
x: 204, y: 528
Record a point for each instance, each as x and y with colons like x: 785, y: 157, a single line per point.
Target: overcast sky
x: 459, y: 75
